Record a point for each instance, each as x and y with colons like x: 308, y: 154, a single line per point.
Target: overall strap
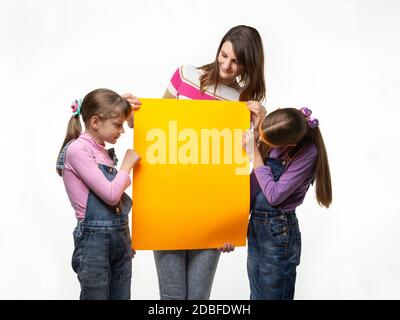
x: 111, y: 153
x: 61, y: 156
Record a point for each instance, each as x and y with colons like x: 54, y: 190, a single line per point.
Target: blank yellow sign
x: 191, y: 189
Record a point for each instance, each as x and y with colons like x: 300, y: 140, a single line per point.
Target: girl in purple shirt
x: 102, y: 256
x: 289, y: 157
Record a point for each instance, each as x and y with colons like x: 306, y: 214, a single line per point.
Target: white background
x: 340, y: 58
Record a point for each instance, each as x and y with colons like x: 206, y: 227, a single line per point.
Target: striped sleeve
x: 175, y: 83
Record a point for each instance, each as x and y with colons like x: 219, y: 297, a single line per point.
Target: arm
x: 172, y: 91
x: 85, y: 167
x: 296, y: 174
x: 168, y: 95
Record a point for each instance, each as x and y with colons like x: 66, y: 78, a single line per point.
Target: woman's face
x: 228, y: 66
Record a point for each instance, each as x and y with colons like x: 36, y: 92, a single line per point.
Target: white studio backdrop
x: 340, y: 58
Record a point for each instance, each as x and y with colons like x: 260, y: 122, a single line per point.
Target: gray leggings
x: 186, y: 274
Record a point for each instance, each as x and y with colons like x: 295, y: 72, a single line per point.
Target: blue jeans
x: 186, y: 274
x: 274, y: 247
x: 103, y: 261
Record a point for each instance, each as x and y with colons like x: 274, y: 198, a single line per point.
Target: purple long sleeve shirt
x: 289, y: 191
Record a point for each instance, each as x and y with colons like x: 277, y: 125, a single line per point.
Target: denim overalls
x: 102, y: 256
x: 274, y: 246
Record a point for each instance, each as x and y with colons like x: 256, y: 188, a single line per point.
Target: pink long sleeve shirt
x: 81, y: 173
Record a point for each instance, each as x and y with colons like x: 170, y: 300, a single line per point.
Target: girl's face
x: 109, y: 130
x: 227, y: 62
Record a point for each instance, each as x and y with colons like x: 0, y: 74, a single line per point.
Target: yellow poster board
x: 191, y: 190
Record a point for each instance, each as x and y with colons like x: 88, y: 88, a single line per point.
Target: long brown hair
x: 104, y: 104
x: 290, y: 126
x: 248, y: 48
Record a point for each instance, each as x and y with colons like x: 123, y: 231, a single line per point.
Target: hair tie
x: 76, y: 107
x: 312, y: 122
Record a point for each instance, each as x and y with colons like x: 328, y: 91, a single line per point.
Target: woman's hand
x: 135, y: 104
x: 134, y: 101
x: 258, y: 113
x: 227, y: 247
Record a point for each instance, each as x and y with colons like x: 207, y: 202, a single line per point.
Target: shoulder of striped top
x: 189, y: 79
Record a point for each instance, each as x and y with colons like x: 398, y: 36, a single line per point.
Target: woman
x: 236, y: 74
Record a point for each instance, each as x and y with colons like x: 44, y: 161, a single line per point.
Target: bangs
x: 121, y: 110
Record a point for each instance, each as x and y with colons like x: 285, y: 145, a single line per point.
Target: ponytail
x: 323, y: 188
x: 74, y: 129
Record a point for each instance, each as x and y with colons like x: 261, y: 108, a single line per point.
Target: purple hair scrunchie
x: 312, y: 122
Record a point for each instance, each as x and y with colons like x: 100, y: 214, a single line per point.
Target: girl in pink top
x: 102, y: 257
